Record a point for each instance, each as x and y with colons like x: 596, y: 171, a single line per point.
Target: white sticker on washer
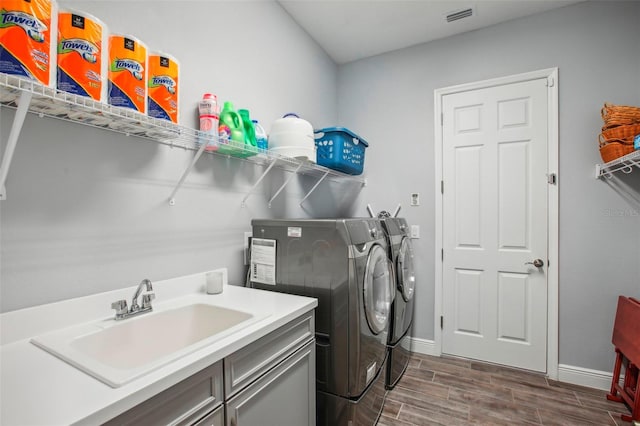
x: 263, y: 261
x: 294, y: 232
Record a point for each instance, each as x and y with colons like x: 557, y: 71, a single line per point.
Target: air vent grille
x: 460, y: 14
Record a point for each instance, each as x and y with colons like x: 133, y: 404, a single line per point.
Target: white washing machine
x: 401, y: 256
x: 344, y: 264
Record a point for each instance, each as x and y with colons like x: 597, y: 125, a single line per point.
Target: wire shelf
x: 625, y: 164
x: 49, y: 102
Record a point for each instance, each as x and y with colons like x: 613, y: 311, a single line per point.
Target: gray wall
x: 87, y: 209
x: 388, y: 99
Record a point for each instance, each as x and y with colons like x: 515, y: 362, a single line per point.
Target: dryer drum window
x: 378, y: 288
x: 406, y: 272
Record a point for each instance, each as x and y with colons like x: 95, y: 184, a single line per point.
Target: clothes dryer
x: 344, y: 264
x: 401, y: 255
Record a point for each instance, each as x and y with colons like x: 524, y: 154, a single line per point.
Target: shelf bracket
x: 203, y: 145
x: 314, y: 187
x: 16, y: 128
x: 603, y: 172
x: 273, y: 163
x: 286, y: 182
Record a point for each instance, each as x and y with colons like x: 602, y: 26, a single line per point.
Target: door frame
x: 551, y: 74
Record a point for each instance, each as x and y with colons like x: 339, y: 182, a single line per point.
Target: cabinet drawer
x: 286, y: 395
x: 255, y: 359
x: 181, y: 404
x: 214, y: 419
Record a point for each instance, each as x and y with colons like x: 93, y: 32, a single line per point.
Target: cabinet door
x: 249, y: 363
x: 285, y: 395
x: 213, y: 419
x: 181, y: 404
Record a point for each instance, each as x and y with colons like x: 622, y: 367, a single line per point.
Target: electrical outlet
x: 247, y: 238
x: 415, y: 231
x: 415, y: 199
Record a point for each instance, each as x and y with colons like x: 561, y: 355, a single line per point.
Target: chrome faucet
x: 149, y: 288
x: 121, y: 305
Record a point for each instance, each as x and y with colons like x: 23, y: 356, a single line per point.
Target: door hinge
x: 552, y: 179
x: 442, y: 254
x: 442, y: 118
x: 442, y: 187
x: 550, y: 82
x: 441, y: 322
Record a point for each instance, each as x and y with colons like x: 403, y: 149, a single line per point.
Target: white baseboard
x: 421, y: 346
x: 584, y: 376
x: 566, y: 373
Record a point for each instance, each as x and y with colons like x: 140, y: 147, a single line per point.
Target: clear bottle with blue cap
x: 261, y: 136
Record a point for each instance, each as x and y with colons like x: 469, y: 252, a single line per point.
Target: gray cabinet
x: 286, y: 395
x: 271, y: 381
x: 247, y: 364
x: 182, y: 404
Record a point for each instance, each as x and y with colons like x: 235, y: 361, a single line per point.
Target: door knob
x: 538, y: 263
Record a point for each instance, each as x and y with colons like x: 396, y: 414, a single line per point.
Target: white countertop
x: 37, y: 388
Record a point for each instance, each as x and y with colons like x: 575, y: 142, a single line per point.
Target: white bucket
x: 293, y: 137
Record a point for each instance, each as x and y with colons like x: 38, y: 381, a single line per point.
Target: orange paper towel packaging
x: 127, y: 73
x: 81, y: 54
x: 163, y: 86
x: 27, y: 39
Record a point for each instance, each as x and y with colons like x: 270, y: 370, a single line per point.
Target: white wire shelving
x: 28, y: 96
x: 624, y: 164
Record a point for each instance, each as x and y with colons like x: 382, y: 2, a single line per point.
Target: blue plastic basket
x: 340, y: 149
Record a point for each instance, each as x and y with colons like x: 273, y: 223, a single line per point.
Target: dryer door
x: 378, y: 289
x: 406, y: 274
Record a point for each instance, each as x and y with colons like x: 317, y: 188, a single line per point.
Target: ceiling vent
x: 459, y: 14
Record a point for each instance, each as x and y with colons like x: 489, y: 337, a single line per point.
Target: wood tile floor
x: 451, y: 391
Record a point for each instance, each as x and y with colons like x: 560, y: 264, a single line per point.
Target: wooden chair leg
x: 635, y: 388
x: 626, y: 341
x: 631, y: 392
x: 613, y: 395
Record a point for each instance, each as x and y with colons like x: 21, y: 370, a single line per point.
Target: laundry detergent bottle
x: 230, y: 127
x: 249, y: 131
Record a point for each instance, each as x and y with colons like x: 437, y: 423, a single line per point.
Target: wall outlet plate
x: 415, y: 199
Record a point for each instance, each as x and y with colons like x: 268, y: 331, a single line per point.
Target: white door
x: 495, y: 224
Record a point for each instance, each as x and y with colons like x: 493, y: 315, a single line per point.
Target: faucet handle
x: 146, y: 300
x: 120, y: 306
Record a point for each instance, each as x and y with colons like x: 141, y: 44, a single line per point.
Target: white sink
x: 117, y: 352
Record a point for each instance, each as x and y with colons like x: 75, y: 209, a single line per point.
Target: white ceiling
x: 354, y: 29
